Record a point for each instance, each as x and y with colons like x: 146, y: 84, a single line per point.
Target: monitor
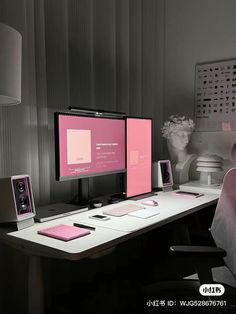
x: 88, y: 146
x: 138, y: 156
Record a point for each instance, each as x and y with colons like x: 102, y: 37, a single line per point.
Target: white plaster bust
x: 178, y: 130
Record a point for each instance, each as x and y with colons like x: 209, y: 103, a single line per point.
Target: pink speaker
x: 17, y: 202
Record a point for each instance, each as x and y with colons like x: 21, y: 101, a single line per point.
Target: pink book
x: 64, y: 232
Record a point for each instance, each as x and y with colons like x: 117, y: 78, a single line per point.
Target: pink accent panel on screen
x: 139, y: 147
x: 90, y: 145
x: 75, y: 140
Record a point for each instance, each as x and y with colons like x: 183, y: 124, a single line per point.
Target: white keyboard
x: 122, y: 210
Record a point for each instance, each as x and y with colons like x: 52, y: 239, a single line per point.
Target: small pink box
x: 64, y: 232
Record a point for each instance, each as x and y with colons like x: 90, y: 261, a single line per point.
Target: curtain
x: 104, y: 54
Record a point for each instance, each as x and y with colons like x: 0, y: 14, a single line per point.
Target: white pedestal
x: 195, y: 186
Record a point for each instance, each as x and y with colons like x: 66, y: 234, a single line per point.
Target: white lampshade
x: 10, y: 65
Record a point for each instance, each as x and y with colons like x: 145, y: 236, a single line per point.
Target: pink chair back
x: 223, y: 227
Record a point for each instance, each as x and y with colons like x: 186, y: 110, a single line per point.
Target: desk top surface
x: 108, y: 233
x: 171, y: 207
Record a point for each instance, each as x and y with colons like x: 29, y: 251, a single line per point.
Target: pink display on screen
x: 139, y: 147
x: 89, y: 146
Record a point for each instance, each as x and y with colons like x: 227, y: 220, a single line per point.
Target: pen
x: 83, y: 226
x: 200, y: 195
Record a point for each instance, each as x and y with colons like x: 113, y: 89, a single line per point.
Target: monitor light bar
x: 97, y: 113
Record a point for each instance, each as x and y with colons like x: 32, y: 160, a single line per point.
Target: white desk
x: 107, y: 234
x: 171, y: 207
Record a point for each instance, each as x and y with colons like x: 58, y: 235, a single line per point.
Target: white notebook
x: 145, y: 213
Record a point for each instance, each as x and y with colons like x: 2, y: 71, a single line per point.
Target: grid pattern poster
x: 215, y: 96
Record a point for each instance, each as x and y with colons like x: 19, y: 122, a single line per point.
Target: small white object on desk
x: 208, y: 164
x: 144, y: 213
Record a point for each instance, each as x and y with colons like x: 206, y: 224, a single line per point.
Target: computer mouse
x: 150, y: 203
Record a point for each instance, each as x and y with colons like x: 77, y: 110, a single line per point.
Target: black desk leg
x: 35, y: 286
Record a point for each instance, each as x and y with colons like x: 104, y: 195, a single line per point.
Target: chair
x: 223, y: 231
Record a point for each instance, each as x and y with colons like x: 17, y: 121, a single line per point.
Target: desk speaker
x: 165, y: 179
x: 17, y: 203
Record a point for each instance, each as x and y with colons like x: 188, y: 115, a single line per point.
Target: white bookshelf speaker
x: 17, y: 202
x: 165, y: 179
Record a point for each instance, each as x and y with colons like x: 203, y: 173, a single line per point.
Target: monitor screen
x: 139, y: 156
x: 88, y: 146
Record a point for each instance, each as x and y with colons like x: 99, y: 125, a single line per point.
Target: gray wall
x: 105, y: 54
x: 195, y: 32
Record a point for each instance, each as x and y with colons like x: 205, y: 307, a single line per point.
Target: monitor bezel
x: 57, y: 154
x: 140, y: 118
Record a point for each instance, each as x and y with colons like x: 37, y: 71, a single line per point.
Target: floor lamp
x: 10, y: 65
x: 17, y: 204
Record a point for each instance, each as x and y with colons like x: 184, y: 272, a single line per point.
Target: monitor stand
x: 82, y: 198
x: 83, y: 192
